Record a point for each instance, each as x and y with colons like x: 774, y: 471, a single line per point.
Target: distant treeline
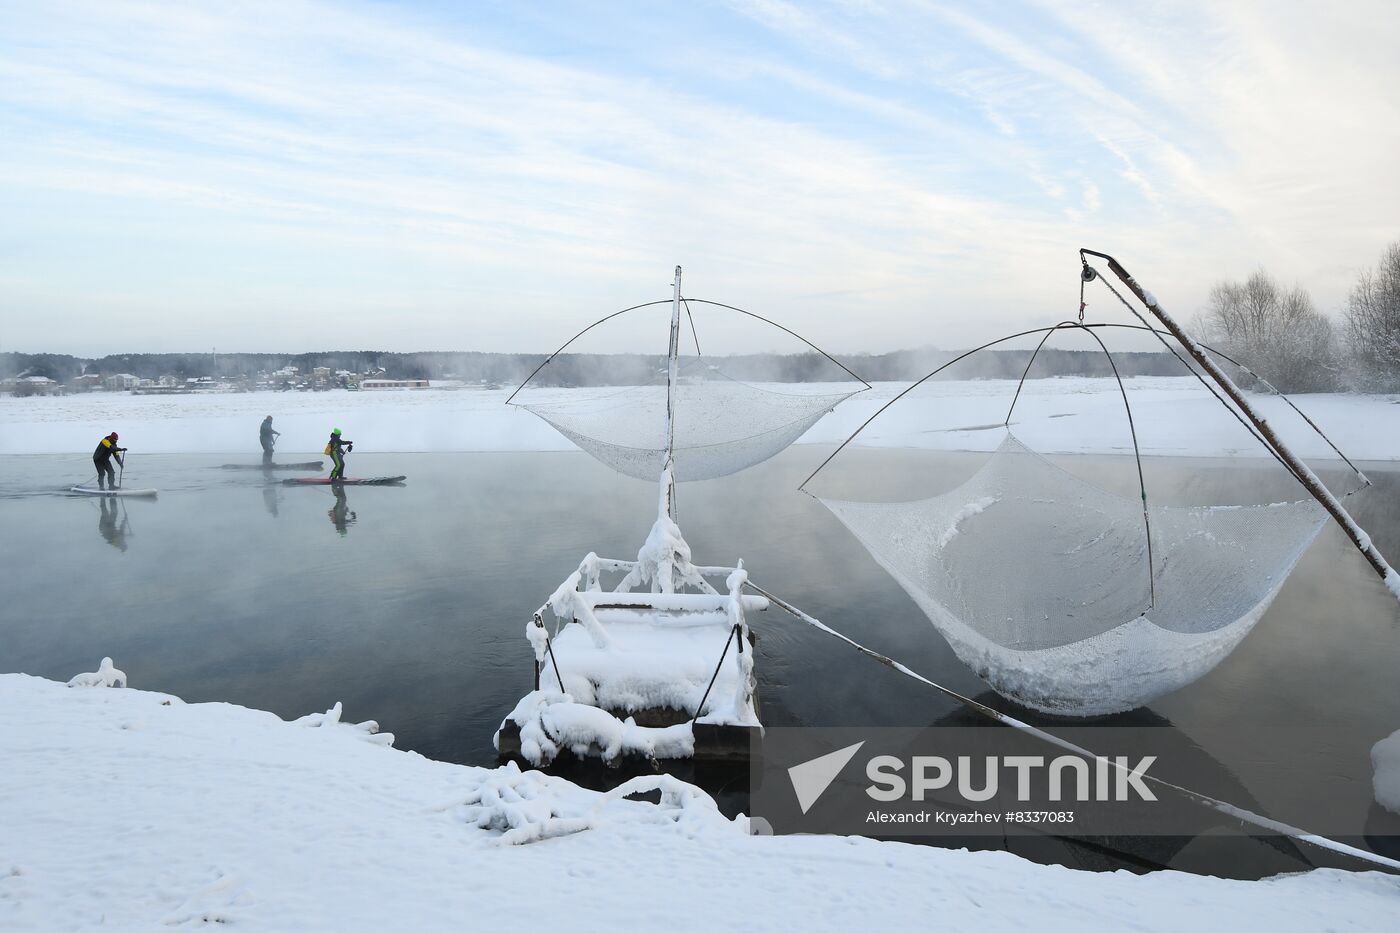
x: 590, y: 369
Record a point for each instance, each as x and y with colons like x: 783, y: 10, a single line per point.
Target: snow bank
x: 1385, y: 759
x: 1070, y: 415
x: 212, y: 813
x: 330, y: 719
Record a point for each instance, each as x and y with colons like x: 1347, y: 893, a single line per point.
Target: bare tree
x: 1372, y: 322
x: 1274, y: 331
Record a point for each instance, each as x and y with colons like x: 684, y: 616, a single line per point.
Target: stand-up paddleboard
x: 349, y: 481
x: 308, y: 465
x: 94, y: 491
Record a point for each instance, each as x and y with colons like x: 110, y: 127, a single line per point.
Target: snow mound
x: 106, y: 675
x: 551, y: 721
x: 1385, y: 759
x: 368, y: 730
x: 528, y: 806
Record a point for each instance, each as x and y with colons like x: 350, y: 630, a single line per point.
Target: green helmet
x: 335, y: 430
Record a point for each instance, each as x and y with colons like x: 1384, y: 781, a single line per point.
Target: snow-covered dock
x: 662, y: 674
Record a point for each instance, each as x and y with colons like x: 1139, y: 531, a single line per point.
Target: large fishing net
x: 1040, y: 580
x: 723, y: 423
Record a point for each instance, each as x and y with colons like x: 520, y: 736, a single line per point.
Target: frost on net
x: 1039, y: 581
x: 721, y: 425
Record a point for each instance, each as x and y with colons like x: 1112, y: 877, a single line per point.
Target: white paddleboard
x: 94, y: 491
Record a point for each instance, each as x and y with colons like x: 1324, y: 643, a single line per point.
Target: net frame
x: 1047, y: 678
x: 643, y: 457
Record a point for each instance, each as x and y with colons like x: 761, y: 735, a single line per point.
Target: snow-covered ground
x: 1174, y: 416
x: 130, y: 810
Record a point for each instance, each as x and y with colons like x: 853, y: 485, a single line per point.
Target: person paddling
x: 265, y: 437
x: 336, y: 448
x: 102, y: 459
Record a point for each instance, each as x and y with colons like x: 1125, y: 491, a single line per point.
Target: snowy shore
x: 132, y: 810
x: 1174, y: 417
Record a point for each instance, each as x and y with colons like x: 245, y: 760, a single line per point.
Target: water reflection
x: 112, y: 522
x: 340, y: 515
x: 1209, y: 842
x: 270, y: 498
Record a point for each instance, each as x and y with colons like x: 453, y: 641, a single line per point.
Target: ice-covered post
x: 673, y: 353
x: 1305, y: 475
x: 665, y: 569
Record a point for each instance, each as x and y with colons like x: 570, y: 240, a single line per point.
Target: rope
x: 693, y: 335
x: 1213, y: 390
x: 1161, y: 335
x: 549, y: 649
x: 1096, y: 326
x: 1220, y: 806
x: 715, y: 676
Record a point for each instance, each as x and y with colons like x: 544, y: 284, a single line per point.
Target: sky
x: 296, y: 176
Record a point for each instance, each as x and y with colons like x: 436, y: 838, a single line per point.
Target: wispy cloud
x: 271, y: 174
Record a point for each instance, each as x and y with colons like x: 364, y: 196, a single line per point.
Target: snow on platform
x: 128, y: 810
x: 654, y: 664
x: 666, y: 674
x: 1175, y: 417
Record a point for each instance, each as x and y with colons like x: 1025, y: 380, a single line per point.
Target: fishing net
x: 730, y: 410
x: 722, y: 426
x: 1039, y: 580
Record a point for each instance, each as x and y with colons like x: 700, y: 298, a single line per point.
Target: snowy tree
x: 1372, y: 322
x: 1275, y: 331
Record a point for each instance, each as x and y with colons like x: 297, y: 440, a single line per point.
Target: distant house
x: 120, y: 382
x: 37, y: 385
x: 394, y: 384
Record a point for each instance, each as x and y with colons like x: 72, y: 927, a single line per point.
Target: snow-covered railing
x: 657, y: 641
x: 670, y: 602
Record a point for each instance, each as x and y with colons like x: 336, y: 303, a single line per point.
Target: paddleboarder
x: 102, y: 459
x: 265, y: 437
x: 336, y: 448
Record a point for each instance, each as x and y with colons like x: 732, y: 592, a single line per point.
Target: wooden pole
x: 1300, y: 469
x: 672, y: 374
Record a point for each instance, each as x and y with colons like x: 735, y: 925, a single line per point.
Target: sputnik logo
x: 811, y: 778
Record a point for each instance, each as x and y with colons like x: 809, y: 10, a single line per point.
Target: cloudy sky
x: 442, y: 175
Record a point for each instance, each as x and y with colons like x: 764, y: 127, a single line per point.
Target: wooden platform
x: 713, y: 744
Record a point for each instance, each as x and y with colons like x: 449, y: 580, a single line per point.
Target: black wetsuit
x: 102, y: 459
x: 265, y: 436
x: 336, y: 450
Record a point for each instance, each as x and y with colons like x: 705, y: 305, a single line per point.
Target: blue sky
x: 292, y: 176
